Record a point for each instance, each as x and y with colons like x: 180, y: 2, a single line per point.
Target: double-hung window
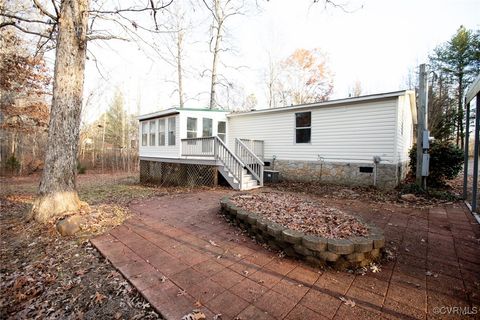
x: 161, y: 132
x: 303, y: 127
x: 171, y: 131
x: 153, y: 131
x: 222, y: 130
x: 191, y: 127
x: 144, y: 133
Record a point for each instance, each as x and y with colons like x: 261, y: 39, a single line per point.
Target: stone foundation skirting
x: 353, y: 174
x: 340, y: 254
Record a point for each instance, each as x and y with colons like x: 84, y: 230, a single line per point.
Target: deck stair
x: 242, y: 168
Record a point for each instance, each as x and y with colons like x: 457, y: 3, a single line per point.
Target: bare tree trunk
x: 460, y: 111
x: 57, y: 192
x: 216, y: 51
x: 103, y: 140
x: 179, y: 67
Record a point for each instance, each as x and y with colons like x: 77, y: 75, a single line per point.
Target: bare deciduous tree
x: 306, y: 77
x: 221, y: 11
x: 69, y: 24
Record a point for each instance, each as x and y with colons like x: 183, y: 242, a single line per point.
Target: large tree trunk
x: 179, y: 67
x: 213, y: 83
x: 460, y: 110
x: 216, y: 51
x: 57, y: 192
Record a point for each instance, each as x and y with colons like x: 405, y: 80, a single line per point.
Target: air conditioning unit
x: 270, y: 176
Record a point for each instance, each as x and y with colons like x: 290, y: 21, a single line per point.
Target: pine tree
x: 459, y: 60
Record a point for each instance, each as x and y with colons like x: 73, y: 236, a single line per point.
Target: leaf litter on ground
x: 302, y: 214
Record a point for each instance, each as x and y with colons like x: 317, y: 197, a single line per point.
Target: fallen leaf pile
x: 46, y: 276
x: 301, y: 214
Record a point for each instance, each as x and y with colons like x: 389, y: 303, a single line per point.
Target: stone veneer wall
x: 388, y: 175
x: 317, y: 251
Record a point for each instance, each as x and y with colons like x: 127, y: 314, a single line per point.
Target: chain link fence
x: 177, y: 174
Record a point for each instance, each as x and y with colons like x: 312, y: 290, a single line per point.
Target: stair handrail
x: 255, y: 169
x: 236, y: 166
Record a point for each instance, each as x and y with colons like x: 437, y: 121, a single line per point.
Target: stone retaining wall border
x: 341, y: 254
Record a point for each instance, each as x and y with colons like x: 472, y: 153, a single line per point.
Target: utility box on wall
x: 425, y: 165
x: 270, y: 176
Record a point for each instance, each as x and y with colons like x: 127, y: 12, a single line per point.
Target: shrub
x: 12, y: 163
x: 446, y: 161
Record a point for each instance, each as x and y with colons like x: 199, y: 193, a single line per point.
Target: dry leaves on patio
x: 301, y: 214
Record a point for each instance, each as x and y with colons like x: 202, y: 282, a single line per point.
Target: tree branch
x: 11, y: 16
x: 44, y: 11
x: 131, y: 9
x: 105, y: 37
x: 14, y: 24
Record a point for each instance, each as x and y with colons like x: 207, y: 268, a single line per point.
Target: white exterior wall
x: 404, y: 128
x: 161, y: 151
x: 349, y: 133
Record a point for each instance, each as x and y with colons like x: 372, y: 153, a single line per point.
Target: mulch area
x: 302, y: 214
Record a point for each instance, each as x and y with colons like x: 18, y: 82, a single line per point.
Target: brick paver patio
x: 181, y: 255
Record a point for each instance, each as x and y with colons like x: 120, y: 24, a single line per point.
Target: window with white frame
x: 144, y: 133
x: 207, y: 127
x: 171, y: 131
x: 303, y: 127
x: 161, y: 132
x: 191, y: 127
x: 153, y: 130
x: 222, y: 130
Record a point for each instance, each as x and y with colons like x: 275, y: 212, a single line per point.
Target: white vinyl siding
x: 347, y: 133
x: 404, y: 128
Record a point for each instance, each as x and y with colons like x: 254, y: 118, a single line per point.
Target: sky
x: 377, y: 42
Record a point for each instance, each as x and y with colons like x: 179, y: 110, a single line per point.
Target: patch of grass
x: 115, y: 192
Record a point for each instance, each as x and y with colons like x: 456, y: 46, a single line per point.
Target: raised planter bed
x: 341, y: 246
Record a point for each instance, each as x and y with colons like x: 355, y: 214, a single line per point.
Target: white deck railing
x: 229, y: 160
x: 198, y: 147
x: 252, y: 162
x: 256, y: 146
x: 235, y: 162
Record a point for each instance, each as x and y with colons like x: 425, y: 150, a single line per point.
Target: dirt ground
x: 44, y: 275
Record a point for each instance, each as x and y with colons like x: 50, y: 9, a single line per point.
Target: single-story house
x: 356, y: 141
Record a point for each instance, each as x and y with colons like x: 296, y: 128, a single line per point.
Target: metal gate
x: 470, y: 172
